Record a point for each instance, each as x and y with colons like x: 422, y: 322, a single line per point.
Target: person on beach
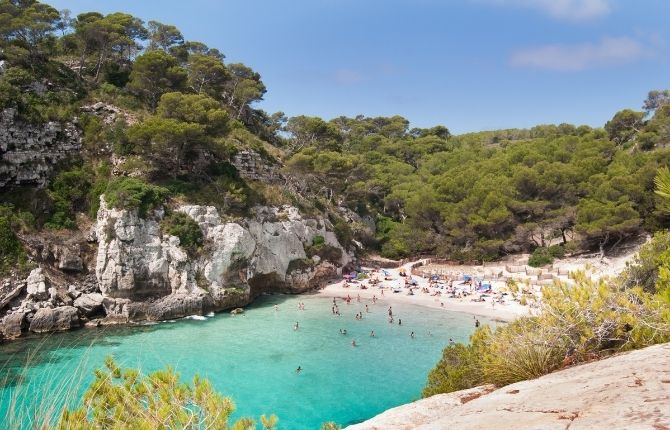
x: 390, y: 311
x: 382, y: 293
x: 366, y: 309
x: 374, y: 299
x: 358, y: 298
x: 298, y: 370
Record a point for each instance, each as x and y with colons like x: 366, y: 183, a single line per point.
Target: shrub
x: 185, y: 228
x: 131, y: 193
x: 582, y: 321
x: 318, y: 241
x: 543, y: 256
x: 125, y: 398
x: 11, y: 250
x: 300, y: 264
x: 68, y: 192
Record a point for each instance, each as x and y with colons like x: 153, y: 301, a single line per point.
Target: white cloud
x: 565, y: 9
x: 571, y: 58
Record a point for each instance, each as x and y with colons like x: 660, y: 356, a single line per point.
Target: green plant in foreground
x: 126, y: 399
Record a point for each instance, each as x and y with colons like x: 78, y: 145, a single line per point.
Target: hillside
x: 631, y: 390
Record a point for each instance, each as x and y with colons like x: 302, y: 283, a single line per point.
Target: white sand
x: 504, y: 312
x: 507, y: 311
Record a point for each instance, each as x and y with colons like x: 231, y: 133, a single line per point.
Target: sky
x: 467, y: 64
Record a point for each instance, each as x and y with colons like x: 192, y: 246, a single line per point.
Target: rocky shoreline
x: 134, y: 272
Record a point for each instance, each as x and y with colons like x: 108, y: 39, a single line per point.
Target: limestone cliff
x: 140, y: 273
x: 628, y: 391
x: 28, y: 152
x: 144, y: 274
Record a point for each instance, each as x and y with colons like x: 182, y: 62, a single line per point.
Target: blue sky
x: 467, y: 64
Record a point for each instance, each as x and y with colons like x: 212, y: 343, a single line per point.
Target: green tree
x: 624, y: 126
x: 244, y: 88
x: 125, y: 398
x: 27, y: 26
x: 155, y: 73
x: 163, y: 36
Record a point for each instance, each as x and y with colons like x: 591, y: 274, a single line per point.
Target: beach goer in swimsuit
x: 476, y: 323
x: 411, y: 335
x: 372, y: 333
x: 296, y: 327
x: 298, y: 370
x: 353, y: 343
x: 399, y: 321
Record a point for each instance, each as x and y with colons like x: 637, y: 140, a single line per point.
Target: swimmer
x: 276, y: 308
x: 353, y: 343
x: 344, y: 331
x: 429, y: 333
x: 298, y: 370
x: 372, y: 333
x: 451, y: 342
x: 296, y: 327
x: 476, y: 323
x: 411, y: 335
x: 399, y: 321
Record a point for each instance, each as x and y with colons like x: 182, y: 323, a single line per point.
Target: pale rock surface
x: 144, y: 274
x: 89, y: 303
x: 36, y: 284
x: 628, y: 391
x: 57, y: 319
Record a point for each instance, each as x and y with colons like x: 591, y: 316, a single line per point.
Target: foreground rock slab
x: 629, y: 391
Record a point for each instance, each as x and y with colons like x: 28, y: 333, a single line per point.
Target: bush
x: 543, y: 256
x: 580, y: 322
x: 125, y: 398
x: 68, y: 192
x: 185, y: 228
x: 133, y: 193
x: 11, y: 250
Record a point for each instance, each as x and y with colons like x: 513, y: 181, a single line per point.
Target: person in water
x: 399, y: 321
x: 296, y: 327
x: 298, y: 370
x: 276, y: 308
x: 353, y: 343
x: 372, y: 333
x: 451, y: 342
x: 476, y: 323
x: 366, y: 308
x: 411, y: 335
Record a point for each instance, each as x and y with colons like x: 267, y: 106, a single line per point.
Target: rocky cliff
x: 28, y: 152
x: 628, y: 391
x: 141, y: 273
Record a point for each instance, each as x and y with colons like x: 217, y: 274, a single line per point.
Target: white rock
x: 36, y: 284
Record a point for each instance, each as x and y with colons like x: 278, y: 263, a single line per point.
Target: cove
x: 252, y: 358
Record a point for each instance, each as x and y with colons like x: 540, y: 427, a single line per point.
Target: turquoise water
x: 253, y: 357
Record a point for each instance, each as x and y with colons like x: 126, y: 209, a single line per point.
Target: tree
x: 244, y: 88
x: 155, y: 73
x: 656, y: 99
x: 624, y: 126
x: 310, y: 130
x: 207, y: 75
x: 29, y: 26
x: 194, y: 108
x: 125, y: 398
x: 163, y: 36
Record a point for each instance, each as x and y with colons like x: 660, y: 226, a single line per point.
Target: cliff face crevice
x: 627, y: 391
x: 29, y: 152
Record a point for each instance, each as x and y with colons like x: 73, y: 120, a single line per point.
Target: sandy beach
x: 504, y: 308
x: 506, y: 311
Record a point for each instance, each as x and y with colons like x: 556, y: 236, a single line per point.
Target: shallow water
x: 253, y: 357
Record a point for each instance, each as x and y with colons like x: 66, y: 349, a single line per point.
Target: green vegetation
x: 11, y: 250
x: 124, y: 398
x: 542, y: 256
x: 127, y: 193
x: 185, y: 228
x: 578, y: 323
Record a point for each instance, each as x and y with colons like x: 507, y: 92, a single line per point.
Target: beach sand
x: 502, y: 312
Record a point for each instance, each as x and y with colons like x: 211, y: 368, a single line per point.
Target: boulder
x: 13, y: 324
x: 36, y: 284
x: 89, y: 304
x: 56, y: 319
x: 69, y: 258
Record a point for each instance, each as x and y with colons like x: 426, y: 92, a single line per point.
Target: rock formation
x: 628, y: 391
x: 28, y: 152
